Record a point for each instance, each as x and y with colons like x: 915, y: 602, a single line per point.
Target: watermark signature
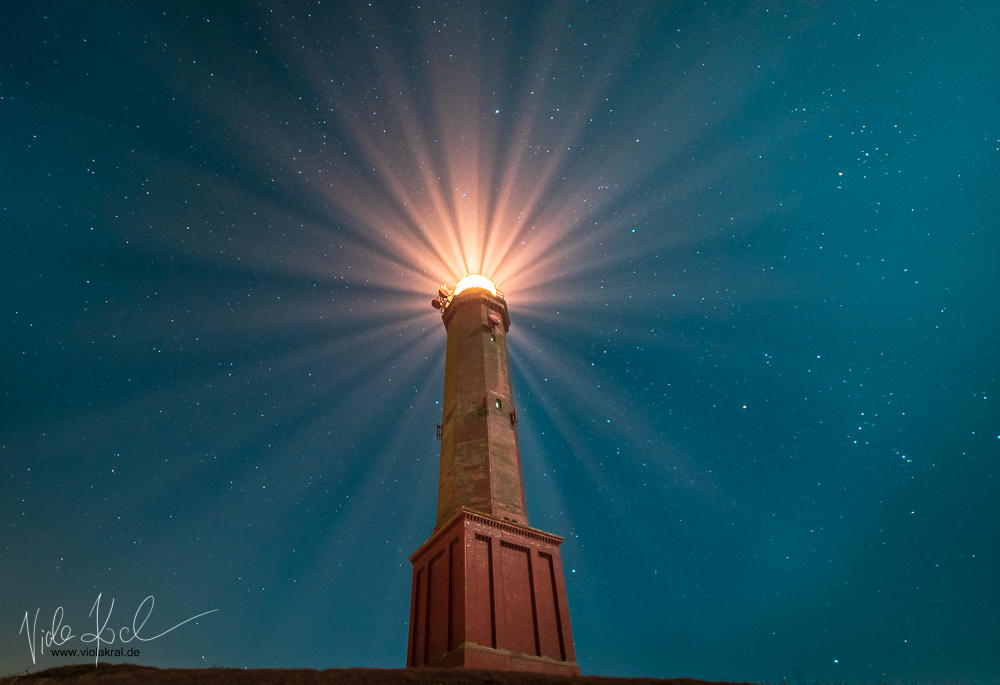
x: 60, y: 634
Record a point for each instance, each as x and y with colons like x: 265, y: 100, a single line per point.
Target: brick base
x: 489, y: 594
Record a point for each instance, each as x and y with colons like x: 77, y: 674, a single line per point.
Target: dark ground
x: 131, y: 673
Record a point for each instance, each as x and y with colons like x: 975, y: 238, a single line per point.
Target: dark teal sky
x: 754, y: 318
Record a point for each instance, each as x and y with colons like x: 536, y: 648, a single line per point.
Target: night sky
x: 752, y: 261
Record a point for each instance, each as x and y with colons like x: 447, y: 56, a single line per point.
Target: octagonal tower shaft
x: 480, y: 467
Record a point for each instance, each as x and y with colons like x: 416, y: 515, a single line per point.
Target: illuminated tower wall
x: 488, y: 590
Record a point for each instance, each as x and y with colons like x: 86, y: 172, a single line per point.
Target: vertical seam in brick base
x: 534, y: 608
x: 413, y: 620
x: 493, y: 601
x: 451, y: 594
x: 555, y: 599
x: 427, y: 611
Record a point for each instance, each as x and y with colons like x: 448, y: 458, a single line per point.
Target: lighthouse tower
x: 488, y: 590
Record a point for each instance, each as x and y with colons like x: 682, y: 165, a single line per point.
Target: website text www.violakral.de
x: 102, y: 652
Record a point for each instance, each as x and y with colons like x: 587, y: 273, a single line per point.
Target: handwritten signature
x: 61, y: 634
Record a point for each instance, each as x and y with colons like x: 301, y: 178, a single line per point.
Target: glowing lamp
x: 475, y: 281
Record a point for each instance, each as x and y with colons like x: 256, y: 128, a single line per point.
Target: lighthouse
x: 488, y: 589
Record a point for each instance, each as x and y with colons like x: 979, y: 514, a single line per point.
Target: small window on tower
x: 493, y: 338
x: 499, y: 404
